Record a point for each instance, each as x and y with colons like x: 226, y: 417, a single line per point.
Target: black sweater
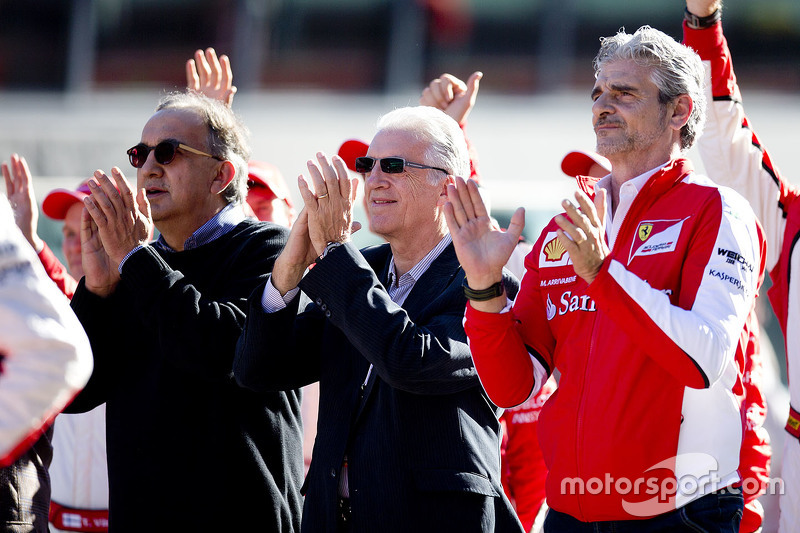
x: 189, y: 450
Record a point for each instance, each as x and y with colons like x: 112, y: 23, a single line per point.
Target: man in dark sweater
x: 188, y: 450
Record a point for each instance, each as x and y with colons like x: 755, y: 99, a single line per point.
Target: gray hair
x: 446, y: 146
x: 228, y: 137
x: 676, y: 70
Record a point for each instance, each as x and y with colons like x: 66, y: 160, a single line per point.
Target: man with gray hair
x: 638, y: 299
x: 188, y: 450
x: 406, y: 438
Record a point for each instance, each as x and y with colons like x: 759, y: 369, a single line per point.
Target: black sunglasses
x: 390, y: 165
x: 164, y: 152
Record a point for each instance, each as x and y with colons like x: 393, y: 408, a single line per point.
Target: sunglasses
x: 390, y: 165
x: 164, y: 152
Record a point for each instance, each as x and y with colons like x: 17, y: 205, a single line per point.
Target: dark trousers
x: 719, y: 511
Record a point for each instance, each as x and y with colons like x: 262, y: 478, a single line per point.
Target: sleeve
x: 756, y: 452
x: 513, y: 351
x: 695, y: 336
x: 45, y: 356
x: 731, y: 152
x: 278, y: 350
x: 57, y: 272
x: 100, y: 319
x: 524, y: 466
x: 424, y: 355
x: 198, y: 330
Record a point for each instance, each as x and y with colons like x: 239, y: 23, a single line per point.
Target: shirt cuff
x: 136, y: 249
x: 271, y: 299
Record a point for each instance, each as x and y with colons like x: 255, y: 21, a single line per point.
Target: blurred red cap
x: 267, y: 175
x: 58, y: 201
x: 579, y: 163
x: 350, y: 150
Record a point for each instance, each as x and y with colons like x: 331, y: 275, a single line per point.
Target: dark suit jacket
x: 421, y: 437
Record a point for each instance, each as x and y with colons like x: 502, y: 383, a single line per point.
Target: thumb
x: 473, y: 83
x: 144, y: 204
x: 600, y: 205
x: 517, y: 223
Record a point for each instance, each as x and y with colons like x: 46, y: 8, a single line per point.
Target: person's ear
x: 225, y: 174
x: 681, y: 111
x: 451, y: 180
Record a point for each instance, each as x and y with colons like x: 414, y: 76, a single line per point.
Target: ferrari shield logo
x: 645, y: 230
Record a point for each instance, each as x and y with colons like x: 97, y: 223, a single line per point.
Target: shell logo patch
x: 656, y: 237
x: 553, y: 253
x: 554, y: 250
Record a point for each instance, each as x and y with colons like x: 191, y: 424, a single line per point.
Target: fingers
x: 456, y: 201
x: 192, y: 78
x: 8, y: 180
x: 22, y: 171
x: 125, y: 191
x: 202, y: 69
x: 575, y: 227
x: 600, y: 206
x: 106, y: 201
x: 441, y: 91
x: 309, y: 198
x: 144, y: 204
x: 517, y: 223
x: 226, y: 73
x: 317, y: 179
x: 468, y: 197
x: 345, y: 183
x: 473, y: 84
x: 214, y: 68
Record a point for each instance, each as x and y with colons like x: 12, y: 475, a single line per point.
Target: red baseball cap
x: 579, y: 163
x: 267, y: 175
x: 58, y: 201
x: 350, y: 150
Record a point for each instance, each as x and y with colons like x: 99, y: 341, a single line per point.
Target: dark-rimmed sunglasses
x: 164, y: 152
x: 390, y: 165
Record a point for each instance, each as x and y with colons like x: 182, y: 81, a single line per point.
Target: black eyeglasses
x: 390, y: 165
x: 164, y: 152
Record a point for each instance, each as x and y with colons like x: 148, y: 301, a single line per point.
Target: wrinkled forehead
x: 185, y: 125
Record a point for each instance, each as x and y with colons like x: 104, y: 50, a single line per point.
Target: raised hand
x: 703, y: 8
x: 100, y: 273
x: 329, y: 199
x: 19, y: 188
x: 482, y: 248
x: 122, y: 223
x: 211, y: 76
x: 295, y: 257
x: 452, y: 95
x: 583, y: 233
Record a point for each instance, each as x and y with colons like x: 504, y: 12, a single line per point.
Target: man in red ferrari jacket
x: 733, y: 156
x: 638, y: 298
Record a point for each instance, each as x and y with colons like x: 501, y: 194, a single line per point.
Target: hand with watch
x: 702, y: 14
x: 482, y: 248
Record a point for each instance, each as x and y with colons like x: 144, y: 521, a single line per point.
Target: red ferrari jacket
x: 645, y: 418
